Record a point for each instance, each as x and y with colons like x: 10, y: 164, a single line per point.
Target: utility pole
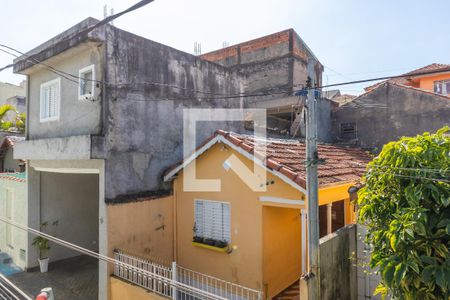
x: 312, y: 185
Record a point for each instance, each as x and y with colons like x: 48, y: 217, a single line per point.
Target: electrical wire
x: 48, y: 67
x: 408, y: 176
x: 413, y: 169
x: 107, y: 259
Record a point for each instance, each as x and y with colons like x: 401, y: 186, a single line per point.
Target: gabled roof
x: 286, y: 159
x: 405, y: 80
x: 399, y: 85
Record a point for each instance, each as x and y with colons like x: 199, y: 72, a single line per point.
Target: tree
x: 405, y: 204
x: 18, y: 124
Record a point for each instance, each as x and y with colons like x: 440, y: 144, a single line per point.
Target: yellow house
x: 256, y: 237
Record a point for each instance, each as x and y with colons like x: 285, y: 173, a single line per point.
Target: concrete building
x: 275, y: 66
x: 394, y: 108
x: 9, y: 90
x: 100, y: 141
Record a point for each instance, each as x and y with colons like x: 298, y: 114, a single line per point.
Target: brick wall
x: 235, y: 51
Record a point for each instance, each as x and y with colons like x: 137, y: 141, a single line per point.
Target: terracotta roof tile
x: 341, y: 164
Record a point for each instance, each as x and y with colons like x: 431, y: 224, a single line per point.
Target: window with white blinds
x: 212, y: 220
x: 50, y: 100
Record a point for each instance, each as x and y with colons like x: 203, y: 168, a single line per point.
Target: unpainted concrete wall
x: 143, y: 125
x: 73, y: 201
x: 337, y: 269
x: 390, y: 112
x: 144, y: 227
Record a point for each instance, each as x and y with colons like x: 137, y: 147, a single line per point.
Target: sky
x: 353, y: 39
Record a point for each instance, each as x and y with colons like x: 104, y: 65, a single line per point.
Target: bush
x: 405, y: 204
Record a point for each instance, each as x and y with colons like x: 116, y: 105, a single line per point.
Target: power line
x: 89, y: 29
x: 107, y: 259
x: 409, y: 176
x: 447, y: 70
x: 413, y: 169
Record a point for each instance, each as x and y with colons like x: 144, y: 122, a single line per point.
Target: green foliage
x: 41, y: 243
x: 405, y: 204
x: 19, y: 121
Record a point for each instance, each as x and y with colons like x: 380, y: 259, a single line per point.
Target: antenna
x: 225, y: 44
x: 105, y: 13
x: 112, y: 13
x: 197, y: 48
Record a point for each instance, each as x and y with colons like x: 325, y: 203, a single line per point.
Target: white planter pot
x: 43, y: 265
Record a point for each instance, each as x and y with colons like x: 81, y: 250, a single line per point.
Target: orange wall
x: 143, y: 228
x: 121, y: 290
x: 267, y: 237
x: 245, y: 264
x: 282, y: 247
x: 427, y: 83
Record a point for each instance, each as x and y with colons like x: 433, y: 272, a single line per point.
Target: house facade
x: 257, y: 238
x: 395, y: 108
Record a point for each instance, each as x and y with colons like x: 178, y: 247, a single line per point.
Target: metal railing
x: 217, y: 286
x: 9, y: 291
x: 177, y: 282
x: 142, y: 279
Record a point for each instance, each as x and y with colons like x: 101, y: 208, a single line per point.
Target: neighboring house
x: 330, y: 94
x: 97, y: 146
x: 18, y: 102
x: 258, y: 239
x: 7, y: 162
x: 438, y: 83
x: 13, y: 203
x: 276, y: 65
x: 8, y: 90
x: 395, y: 108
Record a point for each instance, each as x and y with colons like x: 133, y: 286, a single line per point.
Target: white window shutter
x: 212, y: 220
x: 50, y: 98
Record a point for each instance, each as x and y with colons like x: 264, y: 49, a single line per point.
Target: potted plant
x: 42, y: 245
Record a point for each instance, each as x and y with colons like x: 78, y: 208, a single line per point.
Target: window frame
x: 443, y: 85
x: 227, y: 238
x: 81, y: 72
x: 58, y: 101
x: 341, y: 130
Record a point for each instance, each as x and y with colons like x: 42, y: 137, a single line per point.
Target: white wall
x: 19, y: 215
x: 72, y: 200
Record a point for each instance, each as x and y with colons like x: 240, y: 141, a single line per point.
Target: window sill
x: 53, y: 119
x: 223, y: 250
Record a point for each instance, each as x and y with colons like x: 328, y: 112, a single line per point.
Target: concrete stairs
x: 291, y: 293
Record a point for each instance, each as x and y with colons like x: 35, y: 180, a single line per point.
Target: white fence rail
x: 9, y: 291
x: 177, y: 282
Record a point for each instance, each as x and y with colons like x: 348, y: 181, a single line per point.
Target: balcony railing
x: 177, y: 282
